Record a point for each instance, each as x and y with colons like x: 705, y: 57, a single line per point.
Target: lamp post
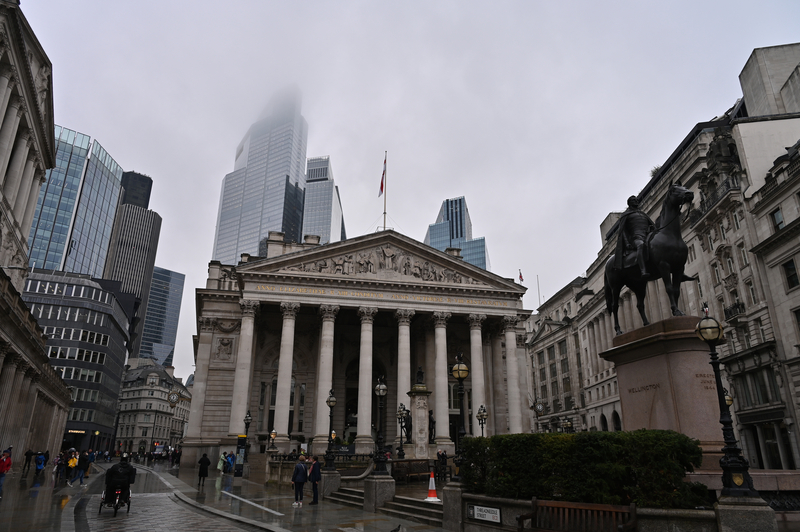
x: 401, y: 418
x: 566, y: 425
x: 329, y: 454
x: 460, y: 371
x: 272, y: 436
x: 482, y: 415
x: 736, y: 480
x: 247, y: 420
x: 380, y: 456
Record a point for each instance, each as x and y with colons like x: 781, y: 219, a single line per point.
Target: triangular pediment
x: 386, y: 256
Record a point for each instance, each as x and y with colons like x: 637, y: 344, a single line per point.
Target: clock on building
x: 173, y: 398
x: 539, y: 407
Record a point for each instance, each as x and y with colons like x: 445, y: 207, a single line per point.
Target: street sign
x: 484, y: 513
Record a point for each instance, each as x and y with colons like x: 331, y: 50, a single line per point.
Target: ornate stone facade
x: 339, y: 316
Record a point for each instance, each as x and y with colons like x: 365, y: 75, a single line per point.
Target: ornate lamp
x: 482, y: 415
x: 401, y: 418
x: 330, y: 456
x: 272, y: 436
x: 460, y: 372
x: 380, y: 457
x: 736, y: 480
x: 247, y: 420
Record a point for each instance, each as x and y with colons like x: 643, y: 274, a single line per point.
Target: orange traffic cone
x: 432, y: 490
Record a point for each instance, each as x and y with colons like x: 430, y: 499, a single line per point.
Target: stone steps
x: 348, y: 496
x: 429, y: 513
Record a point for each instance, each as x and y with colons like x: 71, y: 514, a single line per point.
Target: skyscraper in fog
x: 265, y: 191
x: 77, y: 204
x: 322, y: 213
x: 163, y: 311
x: 453, y: 229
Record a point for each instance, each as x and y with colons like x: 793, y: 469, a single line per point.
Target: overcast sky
x: 546, y: 116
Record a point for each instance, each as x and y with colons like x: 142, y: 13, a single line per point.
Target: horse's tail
x: 607, y: 285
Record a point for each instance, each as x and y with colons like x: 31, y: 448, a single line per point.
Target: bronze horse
x: 667, y: 253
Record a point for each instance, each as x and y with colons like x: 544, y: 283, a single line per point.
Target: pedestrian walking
x: 314, y: 476
x: 72, y: 463
x: 299, y: 478
x: 91, y: 461
x: 28, y: 457
x: 221, y: 464
x: 202, y: 472
x: 231, y: 462
x: 40, y: 463
x: 80, y: 468
x: 178, y: 454
x: 5, y: 466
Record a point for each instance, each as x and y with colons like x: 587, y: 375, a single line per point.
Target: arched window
x: 603, y: 423
x: 616, y: 421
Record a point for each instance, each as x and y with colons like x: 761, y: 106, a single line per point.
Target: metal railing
x: 711, y: 199
x: 734, y: 310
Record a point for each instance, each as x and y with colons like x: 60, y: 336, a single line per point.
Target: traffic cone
x: 432, y: 490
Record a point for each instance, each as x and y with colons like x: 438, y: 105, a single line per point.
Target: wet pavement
x: 165, y: 498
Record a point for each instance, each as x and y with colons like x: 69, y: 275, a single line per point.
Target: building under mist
x: 322, y: 214
x: 265, y: 191
x: 453, y: 229
x: 161, y: 321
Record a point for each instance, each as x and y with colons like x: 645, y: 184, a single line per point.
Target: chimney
x: 454, y: 252
x: 312, y: 240
x: 170, y: 370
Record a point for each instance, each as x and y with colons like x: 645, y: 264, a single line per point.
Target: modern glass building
x: 137, y: 189
x: 453, y: 229
x: 75, y: 211
x: 161, y: 320
x: 322, y: 213
x: 265, y: 191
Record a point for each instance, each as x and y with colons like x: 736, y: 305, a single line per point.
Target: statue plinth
x: 666, y: 382
x: 418, y: 405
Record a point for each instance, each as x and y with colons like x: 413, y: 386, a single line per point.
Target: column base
x: 742, y: 514
x: 378, y: 490
x: 319, y: 446
x: 453, y: 515
x: 331, y: 482
x: 283, y: 443
x: 364, y: 444
x: 444, y: 444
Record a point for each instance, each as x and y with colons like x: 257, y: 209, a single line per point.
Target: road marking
x: 254, y: 504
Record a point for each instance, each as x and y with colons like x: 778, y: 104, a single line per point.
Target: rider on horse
x: 633, y: 227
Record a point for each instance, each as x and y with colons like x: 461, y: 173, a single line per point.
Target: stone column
x: 33, y: 197
x: 364, y: 442
x: 489, y: 380
x: 285, y: 375
x: 499, y: 402
x: 592, y: 349
x: 403, y: 317
x: 206, y: 329
x: 441, y: 411
x: 8, y: 132
x: 476, y: 372
x: 525, y: 410
x: 16, y: 166
x: 324, y: 376
x: 11, y: 392
x: 296, y: 409
x: 512, y: 381
x: 6, y: 87
x: 24, y: 190
x: 781, y: 447
x: 26, y: 406
x: 430, y: 358
x: 243, y: 376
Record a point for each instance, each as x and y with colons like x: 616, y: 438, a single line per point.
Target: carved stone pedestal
x: 744, y: 514
x: 378, y: 489
x: 418, y: 405
x: 453, y: 516
x: 666, y: 382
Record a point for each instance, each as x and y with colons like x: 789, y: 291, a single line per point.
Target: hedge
x: 646, y: 467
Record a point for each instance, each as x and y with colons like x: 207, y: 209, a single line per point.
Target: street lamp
x: 482, y: 415
x: 401, y: 418
x: 380, y: 456
x: 736, y: 480
x: 329, y: 454
x: 272, y: 436
x: 460, y: 371
x: 247, y: 420
x: 566, y: 425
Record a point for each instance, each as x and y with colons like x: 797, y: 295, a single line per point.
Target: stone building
x: 153, y: 408
x: 33, y: 399
x: 743, y: 249
x: 277, y: 333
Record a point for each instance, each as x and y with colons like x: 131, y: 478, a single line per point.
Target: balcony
x: 708, y: 201
x: 734, y: 311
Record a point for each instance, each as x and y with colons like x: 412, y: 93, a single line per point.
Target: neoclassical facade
x: 276, y: 334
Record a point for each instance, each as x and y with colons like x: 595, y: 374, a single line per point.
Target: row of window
x: 78, y: 335
x: 82, y: 394
x: 72, y: 353
x: 88, y: 375
x: 81, y: 414
x: 57, y: 312
x: 68, y: 290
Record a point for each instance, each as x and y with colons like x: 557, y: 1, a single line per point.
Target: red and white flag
x: 383, y: 177
x: 520, y: 276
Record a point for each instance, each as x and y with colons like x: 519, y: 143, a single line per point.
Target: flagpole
x: 538, y: 291
x: 385, y: 188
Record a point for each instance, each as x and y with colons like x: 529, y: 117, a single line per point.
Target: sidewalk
x: 270, y: 507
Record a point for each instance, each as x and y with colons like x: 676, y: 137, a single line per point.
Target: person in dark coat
x: 299, y: 478
x: 28, y: 457
x: 121, y: 476
x: 314, y: 476
x: 83, y: 465
x: 202, y: 473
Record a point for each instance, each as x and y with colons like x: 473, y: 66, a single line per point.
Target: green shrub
x: 646, y: 467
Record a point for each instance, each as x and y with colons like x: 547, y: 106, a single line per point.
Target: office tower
x: 161, y: 321
x: 453, y: 229
x: 137, y: 189
x: 266, y: 188
x: 322, y: 211
x: 75, y: 210
x: 86, y: 324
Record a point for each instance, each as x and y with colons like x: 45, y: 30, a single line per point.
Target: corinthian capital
x: 289, y: 310
x: 476, y: 321
x: 367, y: 314
x: 440, y: 319
x: 509, y: 323
x: 328, y: 312
x: 249, y: 307
x: 404, y: 316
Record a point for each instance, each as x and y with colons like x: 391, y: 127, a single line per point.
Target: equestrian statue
x: 646, y: 251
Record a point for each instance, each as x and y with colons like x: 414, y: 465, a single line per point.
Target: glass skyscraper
x: 453, y: 229
x: 265, y: 191
x: 75, y: 211
x: 161, y: 320
x: 322, y: 213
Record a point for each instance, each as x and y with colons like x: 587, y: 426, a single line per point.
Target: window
x: 540, y: 358
x: 710, y: 242
x: 790, y: 271
x: 144, y: 431
x: 149, y: 406
x: 565, y: 366
x: 544, y: 391
x: 752, y: 291
x: 737, y: 223
x: 562, y: 348
x: 554, y: 387
x: 777, y: 219
x: 729, y: 262
x: 717, y: 275
x: 699, y: 288
x: 553, y: 370
x: 743, y: 255
x: 151, y: 392
x: 551, y: 353
x: 721, y: 231
x: 543, y: 374
x: 762, y: 333
x: 566, y: 385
